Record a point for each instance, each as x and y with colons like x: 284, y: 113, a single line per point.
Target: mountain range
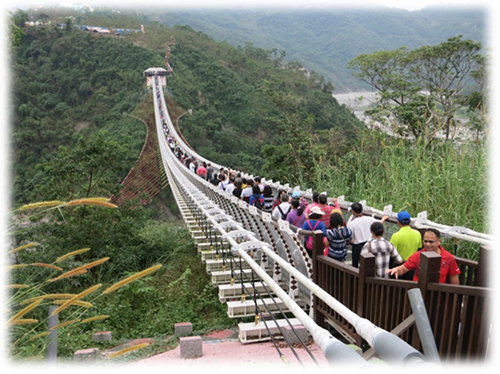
x: 324, y: 40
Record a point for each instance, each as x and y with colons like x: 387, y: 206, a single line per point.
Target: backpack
x: 257, y: 202
x: 283, y: 215
x: 309, y: 239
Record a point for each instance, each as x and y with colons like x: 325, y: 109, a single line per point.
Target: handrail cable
x: 422, y: 222
x: 287, y: 320
x: 401, y: 350
x: 272, y: 315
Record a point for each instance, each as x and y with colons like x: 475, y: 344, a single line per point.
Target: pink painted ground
x: 219, y: 354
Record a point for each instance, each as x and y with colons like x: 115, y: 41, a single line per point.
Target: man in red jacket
x: 432, y: 243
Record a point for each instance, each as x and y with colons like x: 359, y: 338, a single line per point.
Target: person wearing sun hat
x: 312, y: 223
x: 407, y: 240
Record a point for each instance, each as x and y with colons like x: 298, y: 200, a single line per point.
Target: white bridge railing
x: 272, y: 250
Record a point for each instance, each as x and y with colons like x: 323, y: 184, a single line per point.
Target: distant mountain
x: 325, y: 40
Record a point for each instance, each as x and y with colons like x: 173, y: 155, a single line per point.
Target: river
x: 352, y: 100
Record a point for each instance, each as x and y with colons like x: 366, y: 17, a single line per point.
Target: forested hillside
x: 73, y: 135
x: 325, y: 40
x: 70, y: 81
x: 252, y: 110
x: 70, y: 84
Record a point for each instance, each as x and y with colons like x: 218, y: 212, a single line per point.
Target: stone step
x: 251, y: 332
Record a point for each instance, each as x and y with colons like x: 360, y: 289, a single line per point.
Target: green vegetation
x: 63, y: 89
x: 326, y: 39
x: 73, y: 135
x: 71, y: 83
x: 124, y: 246
x: 231, y: 93
x: 421, y: 91
x: 446, y: 180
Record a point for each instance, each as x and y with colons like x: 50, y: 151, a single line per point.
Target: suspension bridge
x: 262, y: 270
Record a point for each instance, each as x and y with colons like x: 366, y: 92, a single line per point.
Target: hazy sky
x: 409, y: 5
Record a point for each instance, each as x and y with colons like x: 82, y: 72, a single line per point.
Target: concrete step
x: 225, y: 276
x: 233, y: 292
x: 246, y: 308
x: 221, y: 264
x: 251, y: 332
x: 211, y: 254
x: 200, y: 237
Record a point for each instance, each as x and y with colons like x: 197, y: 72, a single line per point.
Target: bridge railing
x: 459, y: 315
x: 359, y: 293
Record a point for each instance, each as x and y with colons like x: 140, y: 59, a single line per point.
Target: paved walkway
x: 223, y: 350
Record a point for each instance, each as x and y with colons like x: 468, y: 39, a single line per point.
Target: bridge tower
x: 160, y: 72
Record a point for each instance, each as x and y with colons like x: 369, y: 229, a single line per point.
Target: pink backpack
x: 309, y: 242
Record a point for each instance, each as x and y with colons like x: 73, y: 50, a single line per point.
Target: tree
x: 420, y: 91
x: 69, y: 24
x: 298, y: 152
x: 18, y: 21
x: 85, y: 169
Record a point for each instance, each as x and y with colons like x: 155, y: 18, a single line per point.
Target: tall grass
x: 26, y: 336
x: 446, y: 180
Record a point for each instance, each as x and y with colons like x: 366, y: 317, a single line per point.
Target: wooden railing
x: 459, y: 315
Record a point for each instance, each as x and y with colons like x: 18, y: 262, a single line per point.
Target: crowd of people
x: 363, y: 233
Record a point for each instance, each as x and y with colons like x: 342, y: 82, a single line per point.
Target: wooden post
x: 366, y: 270
x: 317, y: 250
x: 430, y: 265
x: 484, y: 266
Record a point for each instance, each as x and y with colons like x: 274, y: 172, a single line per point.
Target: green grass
x: 448, y: 181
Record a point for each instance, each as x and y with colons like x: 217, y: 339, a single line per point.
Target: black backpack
x: 257, y: 202
x: 284, y: 215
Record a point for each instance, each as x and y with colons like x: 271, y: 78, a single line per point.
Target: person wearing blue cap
x: 407, y: 240
x: 303, y: 203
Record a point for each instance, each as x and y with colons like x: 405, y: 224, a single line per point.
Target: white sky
x: 409, y: 5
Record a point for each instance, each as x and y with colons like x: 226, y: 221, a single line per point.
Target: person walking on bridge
x: 432, y: 243
x: 382, y: 249
x: 327, y: 209
x: 312, y: 223
x: 202, y: 171
x: 407, y: 240
x: 360, y: 226
x: 282, y: 210
x: 257, y: 198
x: 338, y: 237
x: 315, y: 202
x: 296, y: 217
x: 268, y: 199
